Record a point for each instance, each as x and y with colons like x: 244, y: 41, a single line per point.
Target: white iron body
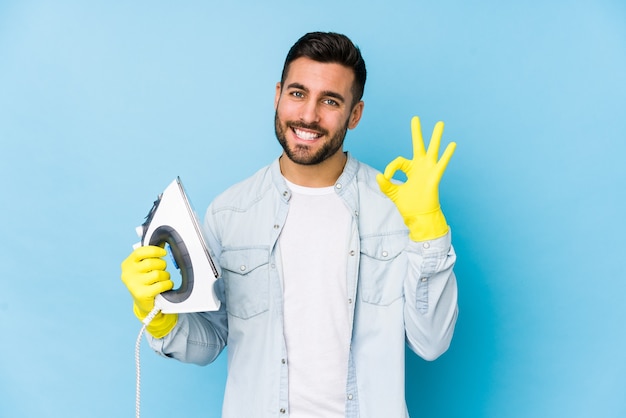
x: 173, y: 221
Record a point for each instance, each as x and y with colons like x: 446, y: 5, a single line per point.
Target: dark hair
x: 330, y: 47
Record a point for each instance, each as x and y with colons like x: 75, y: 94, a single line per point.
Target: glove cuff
x: 427, y: 226
x: 161, y: 324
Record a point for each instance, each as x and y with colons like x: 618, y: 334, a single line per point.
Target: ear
x: 277, y: 96
x: 355, y: 115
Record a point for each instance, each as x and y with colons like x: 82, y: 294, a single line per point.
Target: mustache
x: 310, y: 126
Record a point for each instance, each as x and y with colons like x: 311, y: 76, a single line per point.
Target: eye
x: 331, y: 102
x: 297, y: 94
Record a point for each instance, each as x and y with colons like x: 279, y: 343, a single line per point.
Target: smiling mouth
x: 306, y: 135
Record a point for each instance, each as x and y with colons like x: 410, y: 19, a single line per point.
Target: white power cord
x: 146, y: 322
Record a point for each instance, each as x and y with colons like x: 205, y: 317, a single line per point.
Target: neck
x: 323, y: 174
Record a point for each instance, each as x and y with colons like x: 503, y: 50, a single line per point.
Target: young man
x: 322, y: 283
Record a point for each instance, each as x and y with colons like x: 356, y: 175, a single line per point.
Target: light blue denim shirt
x: 400, y: 293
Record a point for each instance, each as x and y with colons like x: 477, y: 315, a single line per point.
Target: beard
x: 303, y: 154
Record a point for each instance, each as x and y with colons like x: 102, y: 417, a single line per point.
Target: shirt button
x: 276, y: 226
x: 385, y: 253
x: 283, y: 361
x: 282, y: 410
x: 426, y: 245
x: 349, y: 397
x: 338, y: 185
x: 349, y: 300
x: 285, y: 193
x: 352, y: 253
x: 242, y: 268
x: 423, y: 279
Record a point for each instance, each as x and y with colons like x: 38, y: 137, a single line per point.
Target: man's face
x: 314, y: 110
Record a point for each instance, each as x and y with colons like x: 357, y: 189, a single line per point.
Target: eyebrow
x: 326, y: 93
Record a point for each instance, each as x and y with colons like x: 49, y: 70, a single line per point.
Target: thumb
x: 386, y: 186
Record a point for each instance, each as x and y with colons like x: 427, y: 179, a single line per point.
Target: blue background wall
x: 102, y: 104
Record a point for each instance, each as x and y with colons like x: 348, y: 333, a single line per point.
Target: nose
x: 309, y: 112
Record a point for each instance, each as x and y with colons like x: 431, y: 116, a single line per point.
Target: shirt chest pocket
x: 246, y: 281
x: 382, y: 268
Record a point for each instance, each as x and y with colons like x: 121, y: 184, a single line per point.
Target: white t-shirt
x: 314, y: 247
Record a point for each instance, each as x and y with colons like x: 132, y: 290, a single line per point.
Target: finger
x: 132, y: 262
x: 159, y: 287
x: 149, y: 292
x: 386, y: 186
x: 130, y: 266
x: 435, y: 142
x: 400, y: 163
x: 154, y: 277
x: 445, y: 158
x: 150, y: 264
x: 418, y: 140
x: 382, y: 181
x: 135, y: 281
x: 147, y: 251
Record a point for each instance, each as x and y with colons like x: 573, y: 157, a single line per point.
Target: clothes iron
x: 172, y: 221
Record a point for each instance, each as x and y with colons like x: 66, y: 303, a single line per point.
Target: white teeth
x: 307, y: 136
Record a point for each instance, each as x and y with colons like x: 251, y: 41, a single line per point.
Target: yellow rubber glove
x: 418, y: 198
x: 143, y: 273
